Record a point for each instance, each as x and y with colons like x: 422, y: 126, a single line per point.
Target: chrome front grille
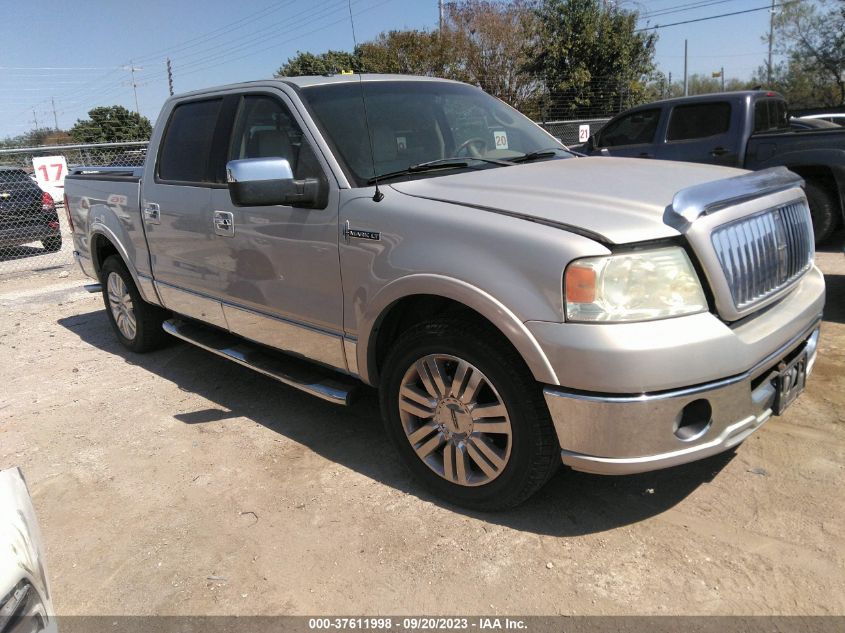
x: 763, y: 253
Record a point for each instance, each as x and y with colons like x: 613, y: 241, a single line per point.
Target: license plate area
x: 790, y: 382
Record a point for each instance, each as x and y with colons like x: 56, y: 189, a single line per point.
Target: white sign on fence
x: 50, y: 173
x: 583, y: 133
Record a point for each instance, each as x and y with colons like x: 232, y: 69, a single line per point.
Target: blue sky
x: 75, y: 52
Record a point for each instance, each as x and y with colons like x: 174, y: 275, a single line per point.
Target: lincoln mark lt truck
x: 517, y: 306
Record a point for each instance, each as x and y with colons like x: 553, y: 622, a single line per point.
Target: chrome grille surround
x: 763, y: 253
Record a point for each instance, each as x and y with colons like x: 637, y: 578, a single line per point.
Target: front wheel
x: 136, y: 323
x: 467, y: 416
x: 823, y: 210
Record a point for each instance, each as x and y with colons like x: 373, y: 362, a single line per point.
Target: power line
x: 712, y: 17
x: 683, y: 8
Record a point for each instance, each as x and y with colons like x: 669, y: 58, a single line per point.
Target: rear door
x: 632, y: 134
x: 702, y: 133
x: 176, y: 209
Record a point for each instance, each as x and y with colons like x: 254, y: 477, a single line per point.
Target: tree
x: 812, y: 35
x: 37, y: 136
x: 330, y: 62
x: 593, y: 60
x: 487, y: 43
x: 409, y: 52
x: 111, y: 124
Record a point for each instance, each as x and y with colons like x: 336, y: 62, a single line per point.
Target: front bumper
x: 624, y: 434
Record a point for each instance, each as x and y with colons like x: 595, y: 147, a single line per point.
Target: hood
x: 615, y: 200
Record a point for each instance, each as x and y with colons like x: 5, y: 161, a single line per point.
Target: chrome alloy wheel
x: 121, y: 306
x: 455, y: 420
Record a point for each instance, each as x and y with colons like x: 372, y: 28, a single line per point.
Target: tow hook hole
x: 693, y: 420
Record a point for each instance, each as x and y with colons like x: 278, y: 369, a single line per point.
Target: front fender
x: 462, y: 292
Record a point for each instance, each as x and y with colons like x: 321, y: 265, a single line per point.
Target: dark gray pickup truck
x: 748, y: 129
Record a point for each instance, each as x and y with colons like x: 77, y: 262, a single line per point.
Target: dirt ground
x: 180, y: 483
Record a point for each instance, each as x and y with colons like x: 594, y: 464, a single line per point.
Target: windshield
x: 416, y: 122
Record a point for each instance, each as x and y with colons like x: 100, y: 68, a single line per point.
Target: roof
x: 316, y: 80
x: 736, y: 94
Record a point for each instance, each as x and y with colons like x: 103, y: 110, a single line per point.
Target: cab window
x: 265, y: 128
x: 699, y: 120
x: 636, y: 128
x: 187, y: 142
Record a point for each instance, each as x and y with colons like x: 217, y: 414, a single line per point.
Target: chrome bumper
x: 625, y: 434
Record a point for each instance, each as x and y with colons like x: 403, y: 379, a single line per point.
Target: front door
x: 701, y: 133
x: 280, y: 274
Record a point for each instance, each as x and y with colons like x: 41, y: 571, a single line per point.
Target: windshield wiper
x: 440, y: 163
x: 540, y: 153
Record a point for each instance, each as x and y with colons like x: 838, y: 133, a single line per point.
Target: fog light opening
x: 693, y: 420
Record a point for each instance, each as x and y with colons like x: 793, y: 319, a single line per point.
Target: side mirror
x: 591, y: 144
x: 255, y: 182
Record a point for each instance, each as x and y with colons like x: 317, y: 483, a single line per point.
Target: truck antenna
x: 378, y: 196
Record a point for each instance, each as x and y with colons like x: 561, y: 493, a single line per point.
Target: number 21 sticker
x: 501, y: 138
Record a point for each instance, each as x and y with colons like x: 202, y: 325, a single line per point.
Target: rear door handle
x: 644, y: 155
x: 152, y: 213
x: 719, y: 151
x: 224, y: 224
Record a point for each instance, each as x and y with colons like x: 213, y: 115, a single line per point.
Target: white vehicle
x: 25, y: 598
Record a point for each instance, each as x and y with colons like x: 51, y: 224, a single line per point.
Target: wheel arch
x: 103, y: 243
x: 416, y: 298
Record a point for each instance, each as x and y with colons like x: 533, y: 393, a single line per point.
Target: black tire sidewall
x: 141, y: 341
x: 822, y: 210
x: 506, y: 489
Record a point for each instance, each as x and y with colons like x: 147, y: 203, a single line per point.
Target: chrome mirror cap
x: 258, y: 169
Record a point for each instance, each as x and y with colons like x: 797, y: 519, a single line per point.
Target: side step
x: 295, y: 372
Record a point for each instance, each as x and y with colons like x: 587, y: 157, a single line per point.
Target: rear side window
x: 769, y: 115
x: 637, y: 128
x: 15, y: 177
x: 187, y: 142
x: 699, y: 120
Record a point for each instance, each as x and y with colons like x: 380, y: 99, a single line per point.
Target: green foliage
x: 111, y: 124
x: 593, y: 59
x: 36, y: 137
x: 812, y: 35
x: 328, y: 63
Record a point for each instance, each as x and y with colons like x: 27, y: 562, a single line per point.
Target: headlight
x: 637, y: 286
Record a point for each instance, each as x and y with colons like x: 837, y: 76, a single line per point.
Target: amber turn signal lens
x: 580, y: 284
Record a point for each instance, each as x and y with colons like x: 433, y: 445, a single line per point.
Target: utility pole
x: 669, y: 94
x: 170, y: 76
x: 55, y: 118
x: 35, y: 118
x: 771, y: 41
x: 686, y: 80
x: 132, y: 68
x: 723, y: 78
x: 440, y: 14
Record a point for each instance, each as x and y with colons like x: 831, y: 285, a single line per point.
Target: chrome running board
x: 292, y: 371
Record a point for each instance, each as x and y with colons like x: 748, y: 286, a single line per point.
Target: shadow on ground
x: 570, y: 504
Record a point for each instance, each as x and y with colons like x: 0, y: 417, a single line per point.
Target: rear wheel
x: 52, y: 244
x: 136, y: 323
x: 467, y: 416
x: 823, y: 210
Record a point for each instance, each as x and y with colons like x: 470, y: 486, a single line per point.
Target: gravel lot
x: 180, y: 483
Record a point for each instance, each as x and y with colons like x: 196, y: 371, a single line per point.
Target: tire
x: 136, y: 323
x: 52, y: 244
x: 823, y: 210
x: 518, y: 434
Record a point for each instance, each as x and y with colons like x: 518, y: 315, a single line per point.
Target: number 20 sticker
x: 501, y: 139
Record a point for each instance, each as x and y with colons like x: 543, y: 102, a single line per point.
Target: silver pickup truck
x: 516, y: 305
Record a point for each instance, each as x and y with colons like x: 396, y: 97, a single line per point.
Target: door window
x: 699, y: 120
x: 187, y: 142
x: 636, y: 128
x: 265, y: 128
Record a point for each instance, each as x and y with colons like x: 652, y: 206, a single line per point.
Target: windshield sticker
x: 501, y: 139
x: 401, y: 143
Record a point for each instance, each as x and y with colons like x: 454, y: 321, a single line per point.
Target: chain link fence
x: 34, y: 233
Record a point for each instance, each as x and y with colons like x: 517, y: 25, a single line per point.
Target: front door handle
x: 719, y: 151
x: 224, y: 224
x: 152, y: 213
